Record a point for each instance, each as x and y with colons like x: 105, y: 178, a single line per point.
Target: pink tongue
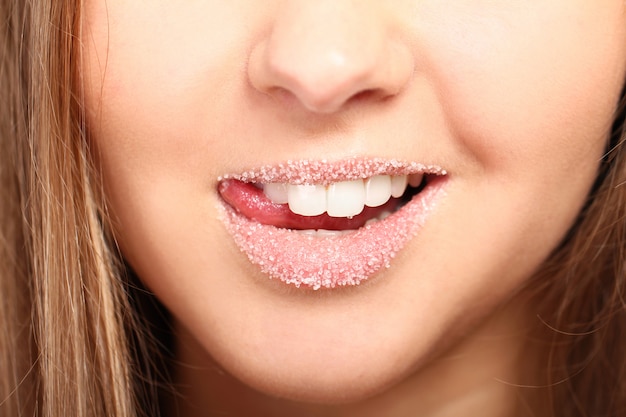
x: 251, y: 202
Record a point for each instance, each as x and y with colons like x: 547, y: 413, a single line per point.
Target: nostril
x: 324, y: 104
x: 369, y: 94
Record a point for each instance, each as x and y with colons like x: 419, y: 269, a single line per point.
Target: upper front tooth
x: 307, y: 199
x: 345, y: 198
x: 377, y: 190
x: 277, y: 192
x: 340, y: 199
x: 398, y: 185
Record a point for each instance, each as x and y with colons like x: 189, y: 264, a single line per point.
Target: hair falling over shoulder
x: 64, y: 315
x: 69, y: 338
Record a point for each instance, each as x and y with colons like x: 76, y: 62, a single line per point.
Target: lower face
x: 503, y: 108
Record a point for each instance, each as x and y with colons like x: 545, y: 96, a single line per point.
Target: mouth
x: 323, y: 224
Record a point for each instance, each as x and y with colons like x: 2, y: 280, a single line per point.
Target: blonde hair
x: 64, y: 311
x: 70, y: 340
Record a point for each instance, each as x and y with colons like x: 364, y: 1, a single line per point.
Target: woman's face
x: 503, y: 107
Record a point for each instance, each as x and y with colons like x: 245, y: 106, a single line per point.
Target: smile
x: 320, y: 224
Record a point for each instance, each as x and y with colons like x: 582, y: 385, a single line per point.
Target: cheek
x: 156, y: 78
x: 529, y: 99
x: 532, y: 92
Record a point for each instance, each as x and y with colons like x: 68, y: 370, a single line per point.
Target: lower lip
x: 334, y: 261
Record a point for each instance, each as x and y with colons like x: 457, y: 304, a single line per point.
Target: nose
x: 327, y: 53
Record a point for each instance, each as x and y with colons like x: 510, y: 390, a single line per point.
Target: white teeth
x: 398, y: 185
x: 340, y: 199
x: 345, y: 198
x: 377, y: 190
x: 328, y: 233
x: 323, y: 233
x: 277, y: 192
x: 316, y: 233
x: 307, y: 200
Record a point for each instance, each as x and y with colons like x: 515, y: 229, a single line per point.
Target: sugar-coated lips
x: 278, y: 242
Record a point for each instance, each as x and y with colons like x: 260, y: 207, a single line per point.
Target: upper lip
x: 305, y: 171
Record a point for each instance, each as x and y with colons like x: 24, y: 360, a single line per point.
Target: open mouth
x: 321, y: 225
x: 338, y: 207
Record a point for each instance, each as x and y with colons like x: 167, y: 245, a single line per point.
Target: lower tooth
x: 381, y: 216
x: 324, y: 232
x: 371, y: 221
x: 334, y: 233
x: 329, y: 233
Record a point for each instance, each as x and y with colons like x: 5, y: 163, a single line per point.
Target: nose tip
x: 325, y: 58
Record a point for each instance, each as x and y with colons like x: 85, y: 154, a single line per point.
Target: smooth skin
x: 514, y: 99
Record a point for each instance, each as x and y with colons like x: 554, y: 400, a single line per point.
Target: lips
x: 320, y: 224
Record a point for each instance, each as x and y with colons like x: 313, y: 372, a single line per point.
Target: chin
x: 323, y: 380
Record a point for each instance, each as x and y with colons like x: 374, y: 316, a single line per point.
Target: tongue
x: 251, y: 202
